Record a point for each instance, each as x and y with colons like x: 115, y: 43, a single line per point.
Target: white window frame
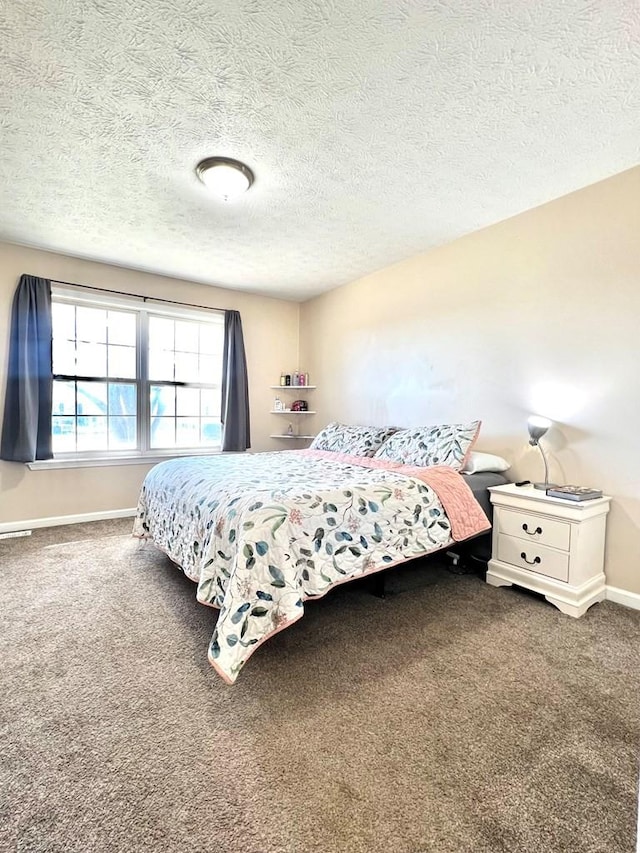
x: 142, y: 306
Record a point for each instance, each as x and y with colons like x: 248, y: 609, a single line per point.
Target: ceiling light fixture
x: 224, y: 177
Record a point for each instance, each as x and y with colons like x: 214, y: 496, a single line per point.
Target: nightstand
x: 549, y: 545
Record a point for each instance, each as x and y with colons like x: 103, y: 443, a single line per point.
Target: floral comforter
x: 260, y: 533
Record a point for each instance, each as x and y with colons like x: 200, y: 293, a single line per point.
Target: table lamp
x: 537, y: 428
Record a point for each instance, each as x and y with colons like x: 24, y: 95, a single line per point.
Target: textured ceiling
x: 376, y: 128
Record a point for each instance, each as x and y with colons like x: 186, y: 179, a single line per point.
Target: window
x: 131, y: 378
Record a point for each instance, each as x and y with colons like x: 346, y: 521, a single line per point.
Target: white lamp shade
x: 226, y: 179
x: 538, y: 426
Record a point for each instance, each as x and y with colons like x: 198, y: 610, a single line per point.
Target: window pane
x: 188, y: 401
x: 63, y: 318
x: 186, y: 336
x: 92, y: 359
x: 64, y: 357
x: 161, y: 333
x: 163, y: 433
x: 64, y: 398
x: 210, y: 402
x: 162, y: 400
x: 211, y: 432
x: 187, y: 367
x: 92, y: 433
x: 211, y: 335
x: 64, y: 434
x: 122, y: 433
x: 122, y: 399
x: 122, y: 328
x: 187, y: 432
x: 92, y: 398
x: 161, y: 365
x: 91, y: 325
x: 210, y: 369
x: 122, y: 362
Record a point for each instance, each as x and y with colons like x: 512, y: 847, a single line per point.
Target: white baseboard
x: 612, y: 593
x: 623, y: 596
x: 55, y: 521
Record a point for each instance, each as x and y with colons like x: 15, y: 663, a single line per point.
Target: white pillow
x: 479, y: 462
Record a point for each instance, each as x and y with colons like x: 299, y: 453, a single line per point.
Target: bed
x: 262, y: 533
x: 478, y: 549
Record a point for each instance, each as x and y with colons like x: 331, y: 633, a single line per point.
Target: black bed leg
x: 377, y: 584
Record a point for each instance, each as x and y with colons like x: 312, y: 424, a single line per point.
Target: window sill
x: 100, y: 461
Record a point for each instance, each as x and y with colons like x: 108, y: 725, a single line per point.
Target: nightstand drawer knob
x: 535, y: 532
x: 533, y: 562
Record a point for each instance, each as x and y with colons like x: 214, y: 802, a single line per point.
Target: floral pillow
x: 355, y: 440
x: 443, y: 444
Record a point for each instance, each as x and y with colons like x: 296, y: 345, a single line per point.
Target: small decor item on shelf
x: 277, y: 405
x: 574, y: 493
x: 287, y: 379
x: 283, y: 379
x: 302, y: 380
x: 290, y: 429
x: 296, y: 379
x: 299, y: 406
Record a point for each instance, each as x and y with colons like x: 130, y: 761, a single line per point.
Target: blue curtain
x: 26, y: 426
x: 235, y: 387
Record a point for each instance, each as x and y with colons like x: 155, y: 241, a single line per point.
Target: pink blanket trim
x: 465, y: 514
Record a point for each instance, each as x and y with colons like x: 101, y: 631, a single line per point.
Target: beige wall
x: 538, y: 314
x: 271, y: 339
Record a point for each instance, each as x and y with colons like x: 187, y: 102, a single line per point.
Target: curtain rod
x: 135, y: 295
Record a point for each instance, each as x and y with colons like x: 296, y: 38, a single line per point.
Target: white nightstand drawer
x: 531, y: 527
x: 533, y: 557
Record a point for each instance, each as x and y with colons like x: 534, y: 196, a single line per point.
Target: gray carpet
x: 449, y: 717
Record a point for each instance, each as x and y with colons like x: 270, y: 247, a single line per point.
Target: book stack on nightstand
x: 552, y: 545
x: 574, y: 493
